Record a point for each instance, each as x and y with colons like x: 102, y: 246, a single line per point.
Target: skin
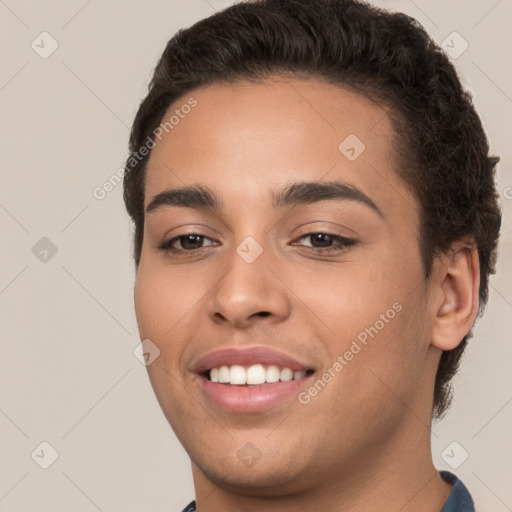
x: 364, y: 440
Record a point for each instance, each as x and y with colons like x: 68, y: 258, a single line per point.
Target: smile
x: 250, y: 380
x: 253, y: 375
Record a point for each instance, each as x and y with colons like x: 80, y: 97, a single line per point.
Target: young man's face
x: 358, y: 314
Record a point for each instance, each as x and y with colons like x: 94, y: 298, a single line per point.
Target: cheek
x: 161, y: 315
x: 162, y: 301
x: 149, y: 306
x: 377, y: 305
x: 351, y: 296
x: 168, y: 304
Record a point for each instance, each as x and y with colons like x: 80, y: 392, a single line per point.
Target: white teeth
x: 223, y: 374
x: 254, y: 375
x: 237, y: 375
x: 272, y: 374
x: 286, y: 375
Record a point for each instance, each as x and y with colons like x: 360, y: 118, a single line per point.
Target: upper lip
x: 248, y: 356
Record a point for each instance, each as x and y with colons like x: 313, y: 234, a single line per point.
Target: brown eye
x: 327, y: 242
x: 188, y: 243
x: 323, y: 239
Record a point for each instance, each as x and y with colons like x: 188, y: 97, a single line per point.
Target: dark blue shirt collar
x: 459, y: 499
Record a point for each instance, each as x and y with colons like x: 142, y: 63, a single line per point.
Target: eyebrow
x: 200, y: 197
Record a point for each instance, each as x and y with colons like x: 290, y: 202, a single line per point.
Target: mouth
x: 251, y: 380
x: 254, y: 375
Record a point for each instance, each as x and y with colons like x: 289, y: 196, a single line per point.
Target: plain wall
x: 68, y: 374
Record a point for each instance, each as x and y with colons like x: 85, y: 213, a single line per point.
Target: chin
x: 265, y: 480
x: 247, y: 470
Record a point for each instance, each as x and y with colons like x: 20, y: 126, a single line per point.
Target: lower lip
x: 247, y: 399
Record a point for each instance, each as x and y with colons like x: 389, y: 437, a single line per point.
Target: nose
x: 248, y: 292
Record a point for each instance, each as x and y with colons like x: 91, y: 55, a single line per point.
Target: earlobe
x: 460, y: 282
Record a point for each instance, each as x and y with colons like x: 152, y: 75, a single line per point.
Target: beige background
x: 68, y: 375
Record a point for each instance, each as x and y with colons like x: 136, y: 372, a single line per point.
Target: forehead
x: 258, y: 136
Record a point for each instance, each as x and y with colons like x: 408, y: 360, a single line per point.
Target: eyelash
x: 345, y: 243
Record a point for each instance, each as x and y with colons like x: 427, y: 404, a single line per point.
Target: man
x: 315, y: 224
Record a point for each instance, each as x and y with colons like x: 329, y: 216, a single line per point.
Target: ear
x: 457, y: 304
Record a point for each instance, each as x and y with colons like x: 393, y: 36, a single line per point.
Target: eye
x: 190, y: 243
x: 323, y: 242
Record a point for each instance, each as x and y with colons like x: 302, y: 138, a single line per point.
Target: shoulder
x: 459, y: 499
x: 191, y: 507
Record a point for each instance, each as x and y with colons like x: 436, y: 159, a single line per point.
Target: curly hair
x: 440, y: 145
